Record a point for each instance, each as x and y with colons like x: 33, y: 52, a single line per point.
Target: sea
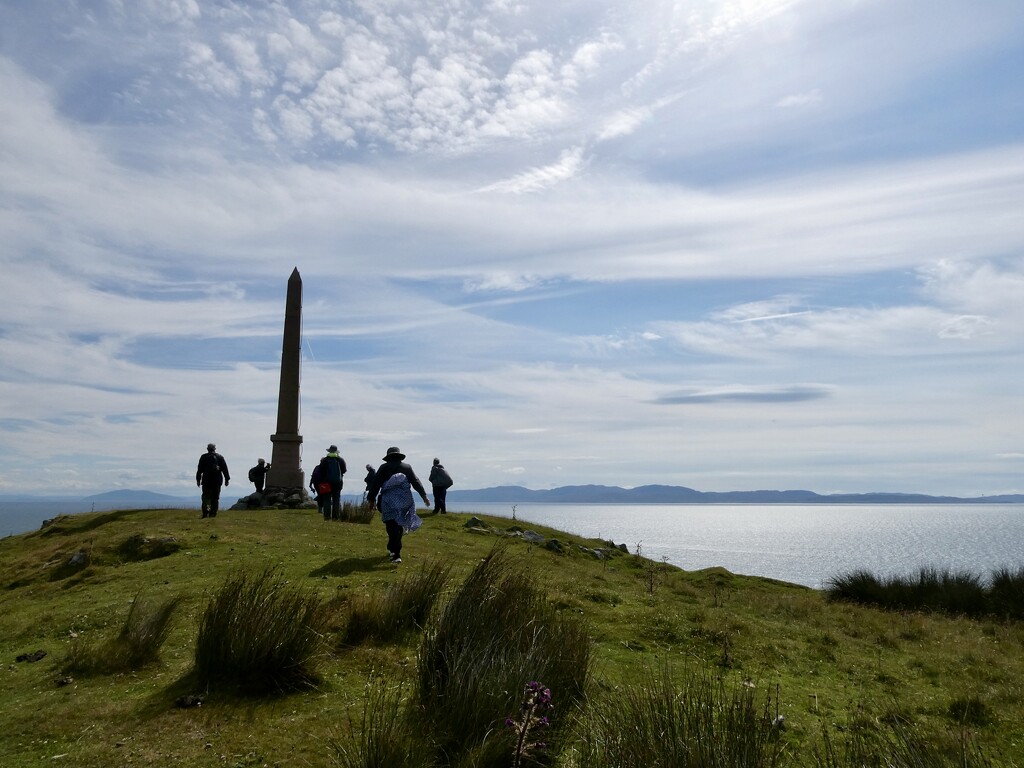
x: 806, y: 544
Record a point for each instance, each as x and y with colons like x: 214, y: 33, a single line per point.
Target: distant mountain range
x: 109, y: 499
x: 573, y: 494
x: 676, y: 494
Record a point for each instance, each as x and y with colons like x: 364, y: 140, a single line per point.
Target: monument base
x: 277, y: 497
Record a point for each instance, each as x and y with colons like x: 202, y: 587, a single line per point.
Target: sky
x: 725, y: 244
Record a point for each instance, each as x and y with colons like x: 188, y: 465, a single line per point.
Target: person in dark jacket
x: 440, y: 482
x: 370, y: 472
x: 258, y: 474
x: 332, y: 469
x: 315, y: 478
x: 211, y: 473
x: 394, y: 463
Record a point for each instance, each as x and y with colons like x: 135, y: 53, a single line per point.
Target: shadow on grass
x: 188, y: 694
x: 349, y: 565
x: 79, y: 523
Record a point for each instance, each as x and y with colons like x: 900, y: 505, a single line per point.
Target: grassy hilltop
x: 802, y: 665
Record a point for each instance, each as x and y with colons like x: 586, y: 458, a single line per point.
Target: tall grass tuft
x: 261, y: 635
x: 385, y: 736
x: 897, y: 744
x: 356, y: 512
x: 695, y: 722
x: 137, y: 644
x: 1006, y: 593
x: 955, y: 593
x: 402, y: 609
x: 496, y: 634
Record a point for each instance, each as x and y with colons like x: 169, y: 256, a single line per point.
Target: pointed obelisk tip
x: 295, y: 274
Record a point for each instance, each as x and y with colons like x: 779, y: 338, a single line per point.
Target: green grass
x: 843, y: 677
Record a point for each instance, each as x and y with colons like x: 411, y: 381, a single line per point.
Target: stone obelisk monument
x: 285, y: 464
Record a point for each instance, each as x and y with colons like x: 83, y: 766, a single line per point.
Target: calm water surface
x: 803, y: 544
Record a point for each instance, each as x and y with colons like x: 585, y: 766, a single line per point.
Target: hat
x: 394, y: 453
x: 333, y: 449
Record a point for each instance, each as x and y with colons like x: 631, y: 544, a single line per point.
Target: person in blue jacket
x: 394, y: 463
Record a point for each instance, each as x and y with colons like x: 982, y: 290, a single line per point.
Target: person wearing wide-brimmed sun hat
x: 397, y: 509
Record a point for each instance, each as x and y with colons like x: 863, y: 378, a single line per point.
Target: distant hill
x: 677, y: 494
x: 126, y: 496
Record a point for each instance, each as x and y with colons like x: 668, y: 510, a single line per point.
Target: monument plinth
x: 286, y: 463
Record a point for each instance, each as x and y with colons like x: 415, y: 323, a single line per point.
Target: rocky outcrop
x: 477, y: 525
x: 276, y: 498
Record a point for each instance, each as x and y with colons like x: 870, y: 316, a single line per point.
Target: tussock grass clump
x: 694, y: 722
x: 138, y: 546
x: 261, y: 635
x: 931, y: 590
x: 403, y: 608
x: 496, y: 634
x: 356, y: 512
x: 896, y: 744
x: 385, y: 736
x: 137, y: 645
x: 1006, y: 593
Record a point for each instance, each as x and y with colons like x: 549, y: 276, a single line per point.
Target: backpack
x: 252, y: 475
x: 446, y: 479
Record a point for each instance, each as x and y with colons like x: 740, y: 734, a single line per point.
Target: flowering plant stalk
x: 536, y: 702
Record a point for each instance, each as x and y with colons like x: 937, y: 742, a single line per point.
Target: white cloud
x: 568, y: 166
x: 208, y: 72
x: 799, y: 99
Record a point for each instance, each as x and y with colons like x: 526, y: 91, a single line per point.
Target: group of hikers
x: 388, y: 488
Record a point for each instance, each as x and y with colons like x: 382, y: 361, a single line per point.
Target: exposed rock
x: 533, y: 537
x: 276, y: 498
x: 189, y: 701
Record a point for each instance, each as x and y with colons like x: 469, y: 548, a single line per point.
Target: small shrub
x: 402, y: 609
x: 137, y: 645
x: 261, y: 635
